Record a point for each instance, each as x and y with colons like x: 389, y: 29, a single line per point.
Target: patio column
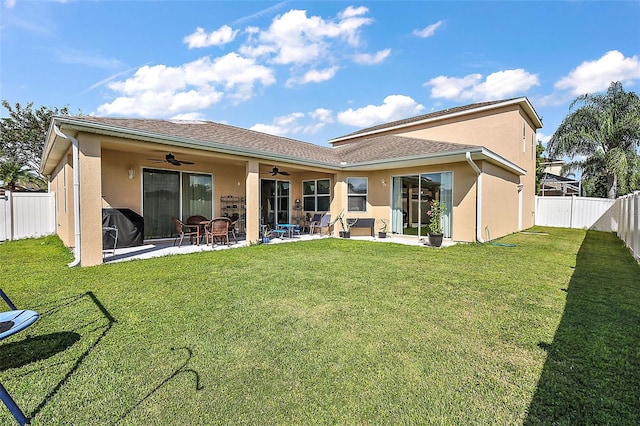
x: 253, y: 201
x: 90, y: 168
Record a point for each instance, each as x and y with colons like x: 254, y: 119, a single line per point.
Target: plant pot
x: 382, y: 235
x: 265, y: 240
x: 435, y: 239
x: 345, y: 234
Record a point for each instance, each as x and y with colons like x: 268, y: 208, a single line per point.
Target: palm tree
x: 604, y: 135
x: 14, y: 173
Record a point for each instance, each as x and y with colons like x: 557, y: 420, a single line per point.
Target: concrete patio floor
x: 167, y: 248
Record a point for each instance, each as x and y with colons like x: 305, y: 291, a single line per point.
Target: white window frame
x: 365, y: 195
x: 315, y: 194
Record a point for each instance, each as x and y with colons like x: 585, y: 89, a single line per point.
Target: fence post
x: 10, y: 215
x: 636, y: 237
x: 629, y: 219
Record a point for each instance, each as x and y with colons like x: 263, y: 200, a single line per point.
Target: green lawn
x: 330, y: 331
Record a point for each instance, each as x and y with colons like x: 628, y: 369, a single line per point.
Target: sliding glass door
x: 274, y: 202
x: 167, y: 194
x: 412, y: 196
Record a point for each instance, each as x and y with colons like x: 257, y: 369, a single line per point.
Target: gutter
x: 76, y: 194
x: 478, y: 197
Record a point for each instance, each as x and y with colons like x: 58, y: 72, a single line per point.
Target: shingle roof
x: 390, y: 147
x: 217, y: 134
x: 379, y: 148
x: 432, y: 115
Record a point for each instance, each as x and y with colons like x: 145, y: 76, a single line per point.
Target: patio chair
x: 12, y: 322
x: 325, y: 222
x: 232, y: 231
x: 198, y: 220
x: 218, y: 230
x: 314, y: 223
x: 182, y: 230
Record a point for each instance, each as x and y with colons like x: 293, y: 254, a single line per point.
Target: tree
x: 22, y: 139
x: 604, y: 135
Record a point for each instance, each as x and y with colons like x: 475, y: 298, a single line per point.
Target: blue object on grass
x: 11, y: 322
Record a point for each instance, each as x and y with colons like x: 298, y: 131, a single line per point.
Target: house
x: 553, y: 183
x: 479, y: 160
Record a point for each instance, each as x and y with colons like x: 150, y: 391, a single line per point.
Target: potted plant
x: 345, y: 224
x: 382, y: 232
x: 436, y: 212
x: 266, y: 235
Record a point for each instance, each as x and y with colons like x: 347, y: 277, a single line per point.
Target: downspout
x: 478, y: 197
x: 76, y: 194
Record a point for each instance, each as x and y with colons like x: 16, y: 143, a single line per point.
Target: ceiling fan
x: 275, y: 171
x: 171, y: 159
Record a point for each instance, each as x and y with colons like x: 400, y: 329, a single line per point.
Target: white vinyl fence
x: 600, y: 214
x: 628, y: 222
x: 26, y: 215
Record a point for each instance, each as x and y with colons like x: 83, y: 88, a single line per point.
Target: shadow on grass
x: 180, y: 370
x: 592, y: 371
x: 32, y: 349
x: 68, y: 303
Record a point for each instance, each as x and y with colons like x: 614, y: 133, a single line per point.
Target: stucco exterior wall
x: 500, y: 130
x: 61, y: 183
x: 380, y: 195
x: 499, y: 201
x: 90, y: 169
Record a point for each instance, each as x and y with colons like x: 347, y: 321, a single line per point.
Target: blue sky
x: 317, y: 70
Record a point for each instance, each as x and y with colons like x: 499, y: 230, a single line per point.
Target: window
x: 316, y: 195
x: 524, y: 137
x: 533, y: 146
x: 357, y: 194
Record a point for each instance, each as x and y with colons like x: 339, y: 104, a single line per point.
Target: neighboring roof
x: 447, y: 113
x: 550, y: 177
x: 387, y: 150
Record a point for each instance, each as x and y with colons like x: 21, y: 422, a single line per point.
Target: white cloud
x: 323, y: 115
x: 296, y: 123
x: 281, y: 126
x: 394, y: 107
x: 158, y: 91
x: 428, y: 31
x: 190, y: 116
x: 314, y: 76
x: 369, y: 59
x: 543, y: 138
x: 595, y: 76
x: 471, y: 87
x: 9, y: 4
x: 223, y: 35
x: 294, y: 38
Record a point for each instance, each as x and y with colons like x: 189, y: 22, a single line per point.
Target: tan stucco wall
x: 500, y: 130
x: 379, y: 197
x: 499, y: 201
x: 61, y: 183
x: 90, y: 170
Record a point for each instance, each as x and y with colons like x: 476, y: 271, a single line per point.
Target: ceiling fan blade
x: 186, y: 162
x: 284, y: 173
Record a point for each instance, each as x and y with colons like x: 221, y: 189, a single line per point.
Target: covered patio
x: 167, y: 248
